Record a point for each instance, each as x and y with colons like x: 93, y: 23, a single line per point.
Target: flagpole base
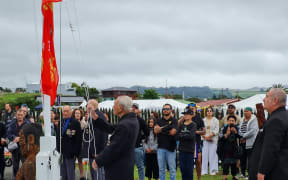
x: 47, y: 160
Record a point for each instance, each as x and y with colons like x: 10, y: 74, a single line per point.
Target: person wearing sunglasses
x: 209, y: 155
x: 165, y: 129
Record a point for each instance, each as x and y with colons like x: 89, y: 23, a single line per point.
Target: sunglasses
x: 166, y: 109
x: 191, y: 105
x: 209, y: 111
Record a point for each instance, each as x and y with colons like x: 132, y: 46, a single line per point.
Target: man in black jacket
x: 13, y: 135
x: 71, y: 140
x: 274, y: 156
x: 118, y: 157
x: 139, y: 150
x: 97, y: 142
x: 165, y: 129
x: 2, y: 145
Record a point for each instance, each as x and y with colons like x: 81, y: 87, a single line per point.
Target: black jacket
x: 274, y: 157
x: 99, y: 139
x: 118, y: 157
x: 255, y: 156
x: 71, y: 139
x: 143, y: 132
x: 13, y: 129
x: 228, y: 148
x: 2, y: 134
x: 166, y: 141
x: 186, y: 134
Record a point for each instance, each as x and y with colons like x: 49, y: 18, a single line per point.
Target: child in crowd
x: 150, y: 146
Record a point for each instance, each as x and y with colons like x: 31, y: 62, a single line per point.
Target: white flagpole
x: 47, y: 115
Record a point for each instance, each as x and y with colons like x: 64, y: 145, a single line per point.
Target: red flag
x: 49, y: 72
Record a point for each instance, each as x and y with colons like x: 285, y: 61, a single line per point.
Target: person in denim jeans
x: 186, y: 134
x: 139, y: 150
x: 165, y: 129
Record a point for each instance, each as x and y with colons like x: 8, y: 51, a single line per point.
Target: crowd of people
x: 161, y: 143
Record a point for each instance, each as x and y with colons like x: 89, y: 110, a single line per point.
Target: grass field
x: 178, y: 176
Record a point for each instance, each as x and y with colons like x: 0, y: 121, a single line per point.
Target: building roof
x: 217, y: 102
x: 119, y: 89
x: 67, y: 99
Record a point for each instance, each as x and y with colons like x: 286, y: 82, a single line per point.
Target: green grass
x: 178, y: 175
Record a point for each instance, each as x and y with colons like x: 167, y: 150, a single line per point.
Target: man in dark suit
x: 118, y: 157
x: 71, y: 140
x: 273, y: 162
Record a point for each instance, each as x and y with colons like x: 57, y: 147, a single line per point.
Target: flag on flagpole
x: 49, y: 72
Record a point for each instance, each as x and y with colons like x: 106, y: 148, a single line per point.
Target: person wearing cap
x: 231, y: 112
x: 200, y: 131
x: 186, y: 136
x: 248, y: 131
x: 142, y: 134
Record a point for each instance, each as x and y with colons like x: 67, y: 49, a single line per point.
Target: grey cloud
x: 146, y: 42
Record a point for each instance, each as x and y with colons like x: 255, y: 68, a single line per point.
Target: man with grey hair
x: 97, y: 143
x: 118, y: 158
x: 274, y: 156
x: 71, y: 139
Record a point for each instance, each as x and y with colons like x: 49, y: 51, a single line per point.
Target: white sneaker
x: 213, y: 174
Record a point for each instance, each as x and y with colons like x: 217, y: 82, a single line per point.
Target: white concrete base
x: 47, y: 160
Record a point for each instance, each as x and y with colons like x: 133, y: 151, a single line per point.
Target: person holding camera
x: 187, y: 138
x: 230, y: 147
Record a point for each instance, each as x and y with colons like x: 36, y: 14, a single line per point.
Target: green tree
x: 194, y: 99
x: 93, y: 92
x: 150, y: 94
x: 278, y: 86
x: 17, y: 99
x: 80, y: 90
x: 177, y: 96
x: 20, y: 90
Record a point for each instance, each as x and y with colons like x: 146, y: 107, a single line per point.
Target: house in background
x: 113, y: 93
x: 64, y: 89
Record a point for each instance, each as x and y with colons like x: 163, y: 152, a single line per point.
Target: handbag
x: 12, y: 146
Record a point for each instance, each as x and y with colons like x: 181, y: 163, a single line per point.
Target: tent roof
x: 149, y: 104
x: 252, y: 101
x: 216, y: 102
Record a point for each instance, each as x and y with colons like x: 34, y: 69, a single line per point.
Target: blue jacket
x: 13, y: 129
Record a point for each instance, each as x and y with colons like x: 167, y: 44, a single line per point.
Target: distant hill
x: 199, y: 92
x: 203, y: 92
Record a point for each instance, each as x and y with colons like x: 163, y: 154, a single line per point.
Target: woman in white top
x: 209, y: 155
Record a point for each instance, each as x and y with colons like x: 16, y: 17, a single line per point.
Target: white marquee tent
x: 250, y: 102
x: 153, y: 104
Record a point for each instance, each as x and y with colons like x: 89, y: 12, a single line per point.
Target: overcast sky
x: 221, y: 44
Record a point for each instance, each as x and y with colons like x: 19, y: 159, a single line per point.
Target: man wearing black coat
x: 273, y: 162
x: 97, y: 142
x: 118, y: 157
x: 139, y: 150
x: 2, y: 145
x: 71, y: 140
